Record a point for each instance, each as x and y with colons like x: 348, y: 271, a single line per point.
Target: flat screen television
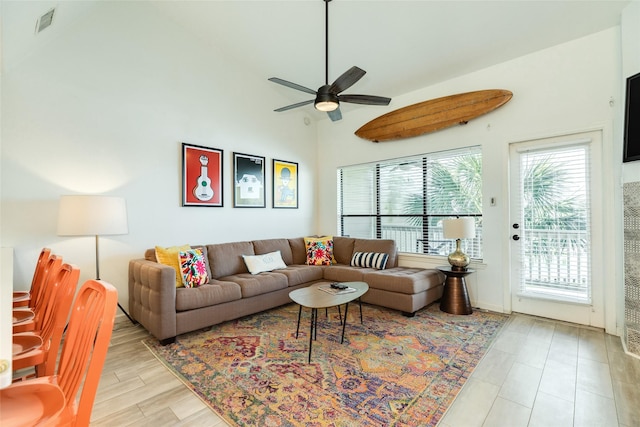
x: 632, y: 120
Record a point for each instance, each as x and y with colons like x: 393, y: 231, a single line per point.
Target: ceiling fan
x: 328, y: 96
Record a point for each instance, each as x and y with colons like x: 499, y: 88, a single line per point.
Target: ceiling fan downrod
x: 326, y: 41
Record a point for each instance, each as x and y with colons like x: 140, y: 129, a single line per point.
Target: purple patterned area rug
x: 391, y: 370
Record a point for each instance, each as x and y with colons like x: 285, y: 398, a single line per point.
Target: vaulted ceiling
x: 403, y: 45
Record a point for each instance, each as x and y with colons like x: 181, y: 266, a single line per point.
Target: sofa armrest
x: 152, y: 297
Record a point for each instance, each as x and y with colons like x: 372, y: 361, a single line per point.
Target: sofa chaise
x: 166, y: 310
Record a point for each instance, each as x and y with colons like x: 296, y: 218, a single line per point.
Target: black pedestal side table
x: 455, y: 298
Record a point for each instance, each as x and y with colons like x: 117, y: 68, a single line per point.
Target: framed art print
x: 201, y: 176
x: 248, y: 181
x: 285, y: 184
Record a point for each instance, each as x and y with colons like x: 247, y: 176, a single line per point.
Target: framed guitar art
x: 201, y: 176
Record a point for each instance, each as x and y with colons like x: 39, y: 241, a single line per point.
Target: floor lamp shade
x: 86, y: 215
x: 82, y: 215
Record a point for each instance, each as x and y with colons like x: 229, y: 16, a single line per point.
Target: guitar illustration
x: 203, y: 190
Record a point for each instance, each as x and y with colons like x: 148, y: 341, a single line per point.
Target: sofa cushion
x: 193, y: 268
x: 319, y: 250
x: 215, y: 292
x: 386, y: 246
x: 298, y: 274
x: 265, y: 262
x: 404, y: 280
x: 272, y: 245
x: 252, y: 285
x: 345, y: 273
x: 225, y: 259
x: 170, y: 256
x: 298, y: 251
x: 343, y: 249
x: 369, y: 259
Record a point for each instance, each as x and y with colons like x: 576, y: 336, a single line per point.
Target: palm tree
x: 550, y: 205
x: 453, y: 187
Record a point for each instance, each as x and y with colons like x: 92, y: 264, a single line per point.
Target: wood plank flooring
x: 537, y: 373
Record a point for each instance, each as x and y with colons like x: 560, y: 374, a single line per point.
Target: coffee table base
x: 313, y: 324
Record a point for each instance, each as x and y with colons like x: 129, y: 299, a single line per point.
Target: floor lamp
x: 83, y: 215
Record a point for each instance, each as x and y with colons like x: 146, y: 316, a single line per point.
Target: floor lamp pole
x: 98, y: 278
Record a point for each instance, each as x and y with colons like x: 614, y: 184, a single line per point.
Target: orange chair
x: 52, y: 400
x: 22, y: 298
x: 25, y: 319
x: 49, y: 326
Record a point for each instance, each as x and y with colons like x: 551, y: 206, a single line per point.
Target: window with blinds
x: 555, y: 234
x: 406, y: 199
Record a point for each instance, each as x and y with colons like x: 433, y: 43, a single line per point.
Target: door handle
x: 515, y: 237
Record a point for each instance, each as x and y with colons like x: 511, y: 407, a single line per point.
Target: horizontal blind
x: 555, y: 243
x: 406, y: 198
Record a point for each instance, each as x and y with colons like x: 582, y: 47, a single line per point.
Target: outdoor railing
x: 552, y: 261
x: 410, y: 239
x: 557, y: 261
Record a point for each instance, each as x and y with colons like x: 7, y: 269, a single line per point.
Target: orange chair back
x: 85, y: 346
x: 45, y: 253
x: 38, y: 287
x: 25, y: 296
x: 54, y: 320
x: 51, y: 321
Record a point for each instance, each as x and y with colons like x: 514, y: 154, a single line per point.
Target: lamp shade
x: 459, y: 228
x: 82, y: 215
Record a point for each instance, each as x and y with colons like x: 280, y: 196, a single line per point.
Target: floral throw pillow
x: 193, y: 268
x: 319, y: 250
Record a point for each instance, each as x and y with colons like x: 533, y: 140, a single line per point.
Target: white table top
x: 312, y: 297
x: 6, y: 321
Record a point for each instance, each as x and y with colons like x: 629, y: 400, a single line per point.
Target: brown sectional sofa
x: 233, y: 292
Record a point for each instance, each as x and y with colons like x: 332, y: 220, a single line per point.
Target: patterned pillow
x: 169, y: 256
x: 193, y: 268
x: 369, y: 260
x: 265, y: 262
x: 319, y: 250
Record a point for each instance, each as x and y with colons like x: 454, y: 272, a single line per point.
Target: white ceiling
x: 403, y: 45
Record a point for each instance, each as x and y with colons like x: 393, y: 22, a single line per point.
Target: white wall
x: 559, y: 90
x: 102, y: 108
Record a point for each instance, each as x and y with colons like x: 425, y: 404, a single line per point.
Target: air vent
x: 45, y: 21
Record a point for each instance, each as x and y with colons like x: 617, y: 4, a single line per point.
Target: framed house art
x: 285, y: 184
x: 201, y: 176
x: 248, y: 181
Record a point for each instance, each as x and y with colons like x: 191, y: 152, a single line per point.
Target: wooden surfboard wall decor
x: 432, y: 115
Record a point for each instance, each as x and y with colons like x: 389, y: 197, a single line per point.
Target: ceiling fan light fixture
x: 325, y: 100
x: 326, y: 105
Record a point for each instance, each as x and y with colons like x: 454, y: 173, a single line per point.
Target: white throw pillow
x: 265, y: 262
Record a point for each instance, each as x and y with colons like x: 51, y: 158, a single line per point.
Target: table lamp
x: 458, y: 228
x: 89, y: 215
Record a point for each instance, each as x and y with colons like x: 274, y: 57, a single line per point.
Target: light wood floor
x: 537, y: 373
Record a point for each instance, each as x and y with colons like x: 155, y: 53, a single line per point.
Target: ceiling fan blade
x: 347, y: 79
x: 299, y: 104
x: 335, y: 115
x: 365, y: 99
x: 292, y: 85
